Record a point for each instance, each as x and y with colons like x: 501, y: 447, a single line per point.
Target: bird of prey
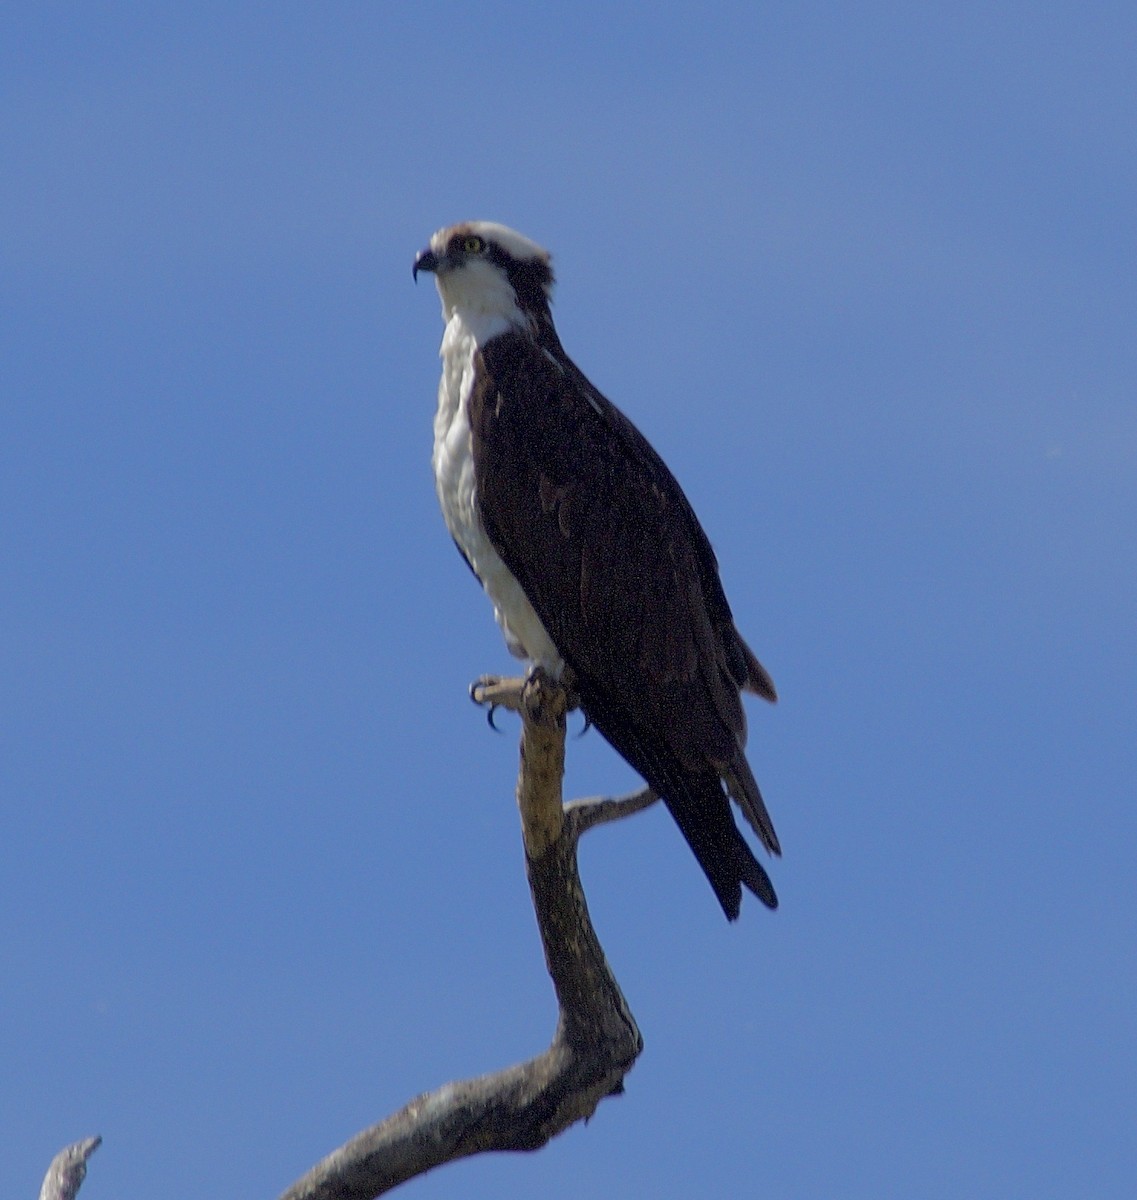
x: 597, y: 566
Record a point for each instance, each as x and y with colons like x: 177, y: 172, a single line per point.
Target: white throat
x: 482, y: 299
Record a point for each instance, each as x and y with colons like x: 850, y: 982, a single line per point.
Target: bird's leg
x: 572, y: 696
x: 497, y: 691
x: 512, y: 693
x: 501, y: 691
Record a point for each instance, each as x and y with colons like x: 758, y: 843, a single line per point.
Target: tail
x: 702, y: 812
x: 695, y: 798
x: 743, y: 789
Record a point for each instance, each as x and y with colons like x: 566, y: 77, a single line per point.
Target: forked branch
x: 596, y: 1040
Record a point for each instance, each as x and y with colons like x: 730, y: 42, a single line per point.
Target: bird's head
x: 486, y: 270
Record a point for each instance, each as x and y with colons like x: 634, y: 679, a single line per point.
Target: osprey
x: 597, y: 566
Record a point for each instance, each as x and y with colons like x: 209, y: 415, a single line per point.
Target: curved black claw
x: 587, y: 724
x: 490, y: 705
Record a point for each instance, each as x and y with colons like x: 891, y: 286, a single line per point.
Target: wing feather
x: 601, y: 538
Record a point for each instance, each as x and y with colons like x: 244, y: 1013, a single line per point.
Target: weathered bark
x: 596, y: 1040
x: 68, y: 1170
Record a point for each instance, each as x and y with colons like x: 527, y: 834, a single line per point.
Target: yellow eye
x: 473, y: 244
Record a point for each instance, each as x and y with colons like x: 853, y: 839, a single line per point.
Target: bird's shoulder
x: 589, y: 518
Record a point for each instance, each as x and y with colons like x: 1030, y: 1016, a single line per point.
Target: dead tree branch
x: 596, y: 1040
x: 68, y: 1170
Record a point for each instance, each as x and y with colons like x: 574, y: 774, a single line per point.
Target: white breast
x: 453, y: 460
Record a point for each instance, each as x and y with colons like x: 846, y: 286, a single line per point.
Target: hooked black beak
x: 425, y: 260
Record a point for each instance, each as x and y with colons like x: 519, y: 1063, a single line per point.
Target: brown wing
x: 601, y: 538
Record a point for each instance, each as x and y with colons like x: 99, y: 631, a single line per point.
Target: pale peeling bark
x: 68, y: 1170
x: 596, y: 1040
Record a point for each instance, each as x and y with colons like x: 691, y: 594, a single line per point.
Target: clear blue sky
x: 865, y: 275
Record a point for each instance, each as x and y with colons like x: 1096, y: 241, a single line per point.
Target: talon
x: 493, y: 692
x: 480, y: 686
x: 489, y: 718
